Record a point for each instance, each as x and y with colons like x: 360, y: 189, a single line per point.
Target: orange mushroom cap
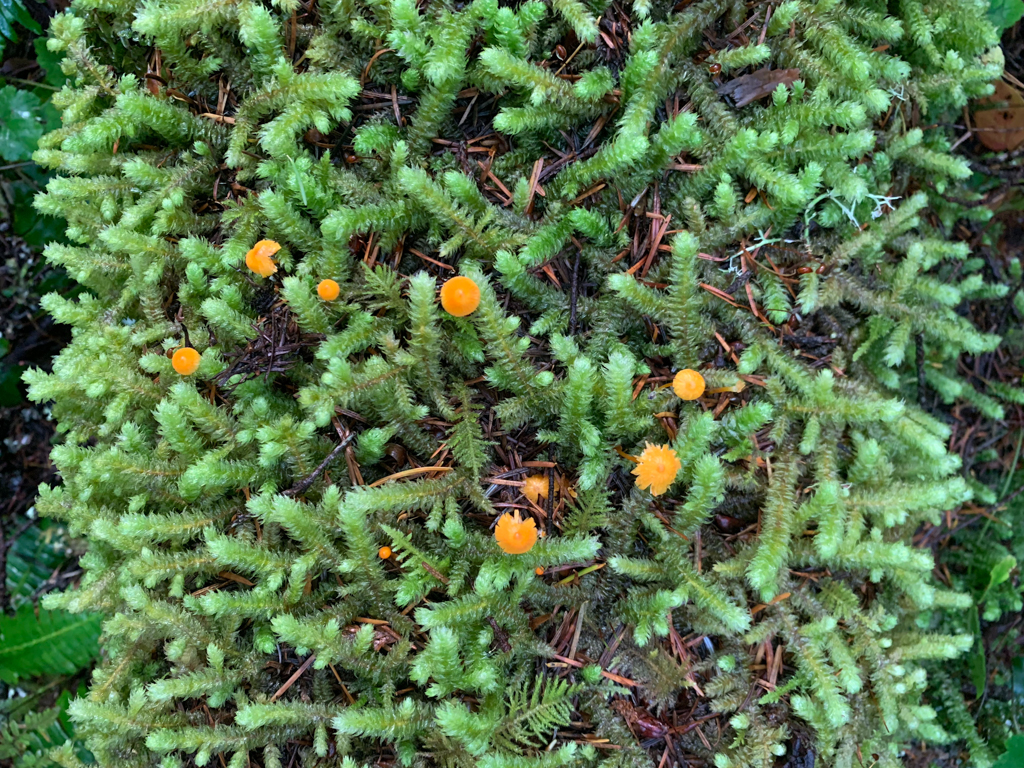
x: 535, y: 488
x: 539, y: 571
x: 259, y: 260
x: 657, y: 468
x: 688, y: 384
x: 515, y: 535
x: 384, y: 553
x: 460, y: 296
x: 185, y: 361
x: 328, y: 290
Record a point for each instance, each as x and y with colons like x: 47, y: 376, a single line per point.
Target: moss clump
x: 736, y: 189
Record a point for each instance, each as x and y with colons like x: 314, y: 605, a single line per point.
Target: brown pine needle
x: 291, y: 680
x: 408, y: 473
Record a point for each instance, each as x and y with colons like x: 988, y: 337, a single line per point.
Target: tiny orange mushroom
x: 515, y: 535
x: 185, y: 361
x: 539, y: 571
x: 657, y: 468
x: 259, y: 260
x: 328, y: 290
x: 460, y: 296
x: 384, y: 553
x: 688, y: 384
x: 535, y: 488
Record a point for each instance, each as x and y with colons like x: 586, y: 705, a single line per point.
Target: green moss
x: 235, y: 517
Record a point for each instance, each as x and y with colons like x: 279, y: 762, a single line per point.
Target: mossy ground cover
x: 755, y: 192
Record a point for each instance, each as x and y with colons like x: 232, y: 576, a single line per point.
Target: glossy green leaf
x: 1013, y: 757
x: 1018, y: 678
x: 1005, y: 13
x: 12, y: 14
x: 10, y: 393
x: 1001, y: 571
x: 977, y: 657
x: 22, y: 123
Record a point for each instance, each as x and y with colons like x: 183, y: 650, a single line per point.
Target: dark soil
x: 25, y: 430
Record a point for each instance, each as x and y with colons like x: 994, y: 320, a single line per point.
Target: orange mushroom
x: 460, y: 296
x: 185, y: 361
x: 328, y: 290
x: 259, y: 260
x: 384, y: 553
x: 657, y: 468
x: 539, y: 571
x: 535, y: 488
x: 688, y: 384
x: 515, y: 535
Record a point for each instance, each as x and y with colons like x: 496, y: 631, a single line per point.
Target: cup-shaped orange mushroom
x: 515, y: 535
x: 185, y: 361
x: 535, y: 488
x: 688, y: 384
x: 657, y: 468
x: 328, y: 290
x: 259, y: 258
x: 460, y: 296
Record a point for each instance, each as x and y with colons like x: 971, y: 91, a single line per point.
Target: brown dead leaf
x: 749, y: 88
x: 1001, y: 129
x: 643, y: 724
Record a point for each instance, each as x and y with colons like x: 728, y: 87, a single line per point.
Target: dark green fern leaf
x: 55, y: 643
x: 33, y: 558
x: 28, y: 741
